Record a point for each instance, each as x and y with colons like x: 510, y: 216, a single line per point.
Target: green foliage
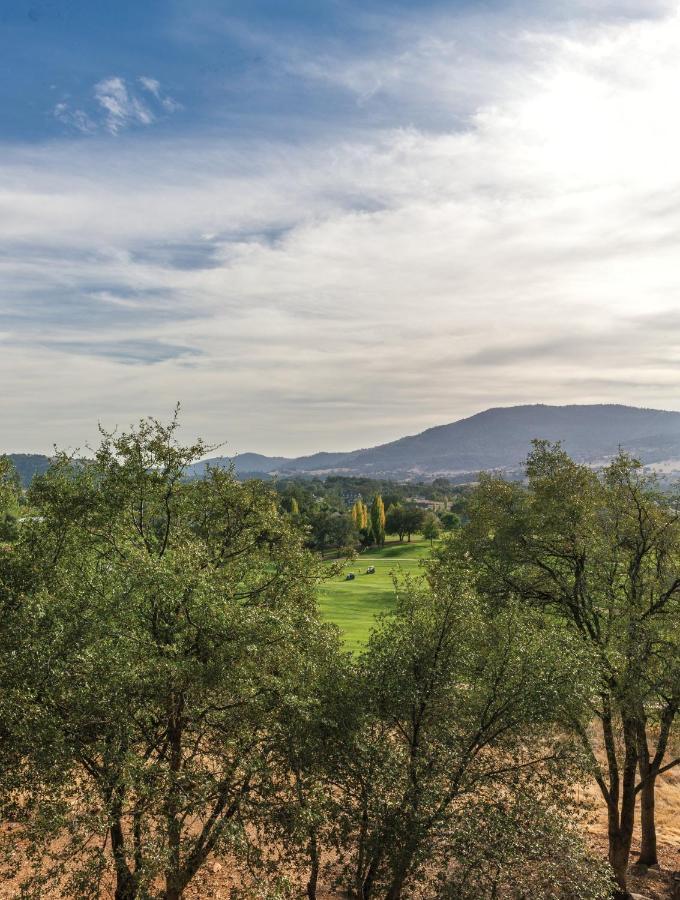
x: 377, y: 520
x: 331, y: 529
x: 393, y: 520
x: 299, y: 817
x: 403, y: 520
x: 167, y: 624
x: 454, y: 703
x: 600, y: 554
x: 450, y: 521
x: 432, y: 527
x: 293, y: 506
x: 522, y: 843
x: 412, y: 520
x: 168, y: 692
x: 392, y: 492
x: 10, y: 494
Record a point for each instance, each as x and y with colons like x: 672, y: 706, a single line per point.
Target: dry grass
x: 217, y: 880
x: 667, y: 812
x: 655, y: 885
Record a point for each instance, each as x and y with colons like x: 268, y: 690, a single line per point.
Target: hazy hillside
x: 495, y: 439
x: 28, y: 465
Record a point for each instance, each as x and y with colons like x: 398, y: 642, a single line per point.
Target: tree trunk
x: 125, y: 890
x: 618, y: 860
x: 126, y: 886
x: 621, y: 823
x: 619, y: 853
x: 620, y: 796
x: 314, y: 869
x: 648, y: 850
x: 396, y: 887
x: 174, y: 882
x: 126, y: 883
x: 401, y: 870
x: 394, y: 891
x: 366, y: 891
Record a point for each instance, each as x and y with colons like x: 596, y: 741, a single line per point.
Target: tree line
x: 169, y: 694
x: 366, y: 524
x: 343, y: 513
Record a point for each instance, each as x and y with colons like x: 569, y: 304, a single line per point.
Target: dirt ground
x: 216, y: 881
x: 655, y: 885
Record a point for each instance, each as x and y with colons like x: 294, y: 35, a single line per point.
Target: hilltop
x: 498, y: 438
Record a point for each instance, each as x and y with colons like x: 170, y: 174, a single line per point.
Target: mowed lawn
x: 353, y: 605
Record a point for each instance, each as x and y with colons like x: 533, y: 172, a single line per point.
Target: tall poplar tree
x: 378, y: 520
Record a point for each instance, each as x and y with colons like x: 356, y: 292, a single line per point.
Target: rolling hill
x: 497, y: 438
x: 28, y: 465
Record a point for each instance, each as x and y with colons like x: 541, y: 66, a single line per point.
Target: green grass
x: 353, y: 605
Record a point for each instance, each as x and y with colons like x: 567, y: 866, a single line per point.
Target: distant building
x: 349, y: 498
x: 424, y: 503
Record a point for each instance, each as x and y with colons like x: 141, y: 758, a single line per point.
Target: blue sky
x: 327, y: 224
x: 226, y: 64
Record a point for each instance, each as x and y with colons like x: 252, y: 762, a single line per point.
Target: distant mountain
x: 498, y: 438
x: 28, y: 465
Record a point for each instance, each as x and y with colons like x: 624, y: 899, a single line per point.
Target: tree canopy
x: 177, y: 617
x: 599, y: 553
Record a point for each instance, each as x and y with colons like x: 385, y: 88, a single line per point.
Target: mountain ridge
x: 495, y: 439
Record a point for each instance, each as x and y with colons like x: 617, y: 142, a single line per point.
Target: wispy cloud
x: 77, y: 119
x: 125, y: 351
x: 120, y: 106
x: 117, y: 105
x: 153, y: 87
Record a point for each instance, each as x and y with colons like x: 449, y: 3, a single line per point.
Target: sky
x: 324, y: 224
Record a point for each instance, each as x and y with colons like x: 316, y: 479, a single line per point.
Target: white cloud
x: 153, y: 87
x: 121, y: 107
x: 341, y: 293
x: 117, y: 106
x: 74, y: 118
